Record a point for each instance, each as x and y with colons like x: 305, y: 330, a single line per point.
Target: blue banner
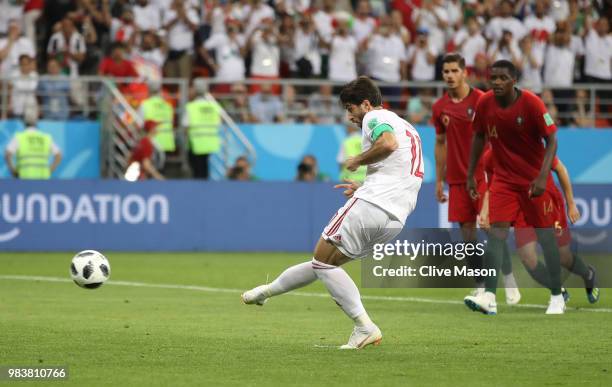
x: 188, y: 215
x: 586, y: 152
x: 280, y: 147
x: 79, y: 142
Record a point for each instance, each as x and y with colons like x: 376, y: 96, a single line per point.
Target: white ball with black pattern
x: 90, y: 269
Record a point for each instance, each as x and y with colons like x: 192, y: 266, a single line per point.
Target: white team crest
x: 373, y: 123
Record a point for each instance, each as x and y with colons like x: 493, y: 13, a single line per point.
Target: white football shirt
x: 393, y: 184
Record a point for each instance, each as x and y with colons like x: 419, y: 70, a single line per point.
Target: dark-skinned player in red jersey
x: 452, y: 117
x: 525, y: 237
x: 515, y: 122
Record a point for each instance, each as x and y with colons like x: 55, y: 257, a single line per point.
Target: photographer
x: 241, y: 170
x: 308, y: 170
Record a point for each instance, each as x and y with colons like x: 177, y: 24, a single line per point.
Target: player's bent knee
x: 566, y: 255
x: 528, y: 255
x: 327, y: 252
x: 468, y: 231
x: 500, y: 230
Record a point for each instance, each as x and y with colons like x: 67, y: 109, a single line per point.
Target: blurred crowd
x: 555, y: 44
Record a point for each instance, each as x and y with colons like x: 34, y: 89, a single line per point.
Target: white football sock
x: 363, y: 320
x: 293, y: 278
x: 341, y: 287
x: 509, y: 281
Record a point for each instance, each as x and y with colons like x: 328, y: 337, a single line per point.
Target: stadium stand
x: 301, y: 51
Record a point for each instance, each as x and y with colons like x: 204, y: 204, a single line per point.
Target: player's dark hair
x: 454, y: 57
x: 359, y: 90
x: 506, y: 64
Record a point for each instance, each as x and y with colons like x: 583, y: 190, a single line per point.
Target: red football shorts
x: 524, y: 231
x: 505, y: 203
x: 461, y: 207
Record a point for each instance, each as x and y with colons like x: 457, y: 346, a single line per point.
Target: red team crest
x: 445, y: 119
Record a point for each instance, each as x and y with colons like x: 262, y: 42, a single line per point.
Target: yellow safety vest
x: 158, y: 109
x: 352, y: 147
x: 204, y: 121
x: 33, y: 155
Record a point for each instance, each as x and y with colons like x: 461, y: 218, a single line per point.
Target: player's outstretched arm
x: 440, y: 155
x: 568, y: 192
x: 478, y: 142
x: 380, y: 150
x: 538, y: 186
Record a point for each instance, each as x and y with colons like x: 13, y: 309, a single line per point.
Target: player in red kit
x: 516, y: 121
x: 526, y: 238
x: 452, y: 116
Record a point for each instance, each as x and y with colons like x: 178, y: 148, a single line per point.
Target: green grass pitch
x: 127, y: 335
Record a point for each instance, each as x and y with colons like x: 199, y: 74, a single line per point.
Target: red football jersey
x: 143, y: 150
x: 455, y: 119
x: 515, y: 134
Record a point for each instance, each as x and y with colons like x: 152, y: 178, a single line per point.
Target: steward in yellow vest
x: 156, y: 108
x: 203, y: 131
x: 32, y: 149
x: 202, y: 121
x: 351, y: 147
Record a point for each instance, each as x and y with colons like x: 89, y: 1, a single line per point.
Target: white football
x: 89, y: 269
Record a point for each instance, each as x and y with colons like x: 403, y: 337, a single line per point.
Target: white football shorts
x: 358, y: 226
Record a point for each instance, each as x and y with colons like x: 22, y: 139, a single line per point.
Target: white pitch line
x: 301, y: 294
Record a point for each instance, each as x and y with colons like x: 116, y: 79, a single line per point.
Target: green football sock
x: 546, y: 237
x: 540, y: 274
x: 475, y: 261
x: 507, y: 261
x: 580, y: 268
x: 493, y: 260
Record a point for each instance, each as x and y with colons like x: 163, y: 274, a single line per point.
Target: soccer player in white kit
x: 375, y: 212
